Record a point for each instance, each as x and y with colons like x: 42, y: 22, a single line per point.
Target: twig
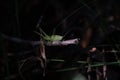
x: 34, y: 43
x: 43, y: 55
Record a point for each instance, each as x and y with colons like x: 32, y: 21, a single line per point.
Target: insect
x: 50, y: 38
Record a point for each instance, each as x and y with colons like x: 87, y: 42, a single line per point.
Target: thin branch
x: 34, y: 43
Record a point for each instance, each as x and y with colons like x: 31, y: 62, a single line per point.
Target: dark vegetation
x: 20, y: 60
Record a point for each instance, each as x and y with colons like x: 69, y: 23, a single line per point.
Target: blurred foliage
x: 19, y: 18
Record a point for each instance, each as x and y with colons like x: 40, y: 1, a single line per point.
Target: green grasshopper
x: 49, y: 38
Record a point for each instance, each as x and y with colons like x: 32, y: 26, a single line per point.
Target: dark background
x: 20, y: 17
